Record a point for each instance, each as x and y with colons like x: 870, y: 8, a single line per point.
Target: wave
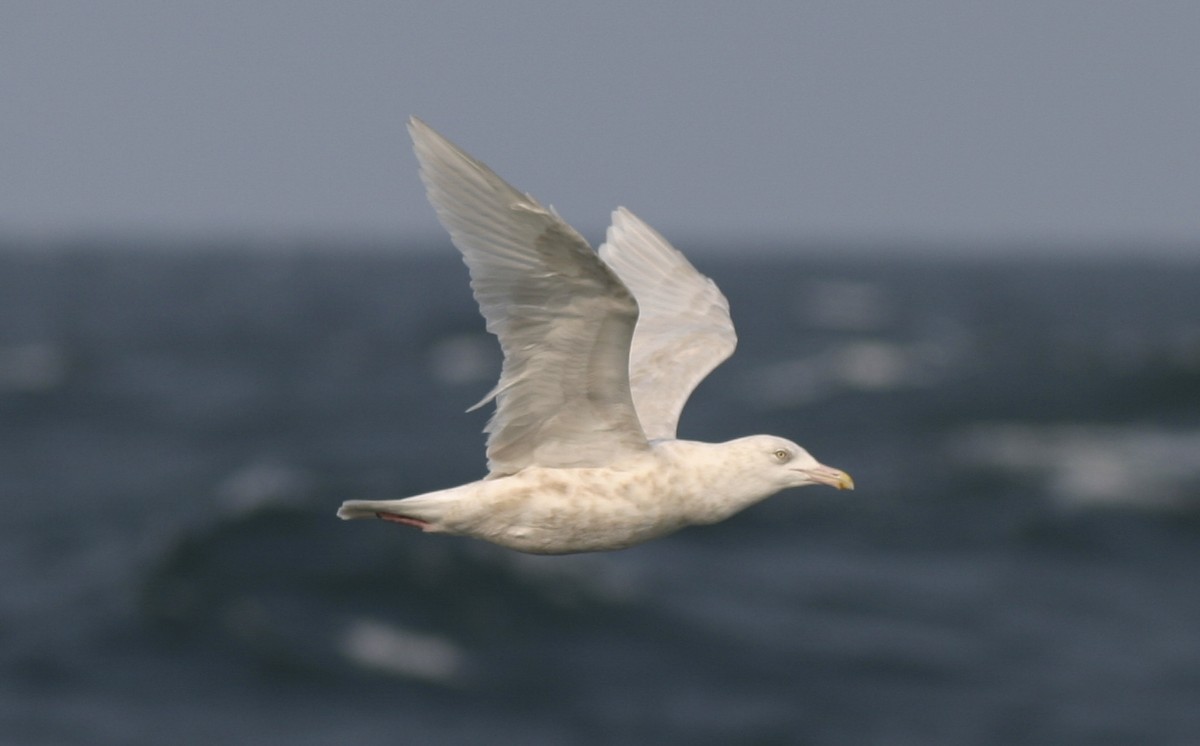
x: 286, y: 584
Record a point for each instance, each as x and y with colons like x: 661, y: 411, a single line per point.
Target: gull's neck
x: 713, y: 482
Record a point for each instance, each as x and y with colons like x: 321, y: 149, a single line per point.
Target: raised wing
x: 563, y: 319
x: 684, y: 330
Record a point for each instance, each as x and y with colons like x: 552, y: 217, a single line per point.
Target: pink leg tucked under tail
x: 403, y: 519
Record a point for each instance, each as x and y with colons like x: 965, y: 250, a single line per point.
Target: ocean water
x: 1020, y: 563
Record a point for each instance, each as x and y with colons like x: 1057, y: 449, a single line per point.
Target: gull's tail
x: 352, y: 509
x: 425, y: 510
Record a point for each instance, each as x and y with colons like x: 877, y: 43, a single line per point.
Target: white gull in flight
x: 601, y: 351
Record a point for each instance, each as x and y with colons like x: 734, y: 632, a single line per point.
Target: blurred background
x: 960, y: 244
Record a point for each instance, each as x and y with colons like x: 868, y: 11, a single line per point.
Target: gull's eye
x: 782, y: 455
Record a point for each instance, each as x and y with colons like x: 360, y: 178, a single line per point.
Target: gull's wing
x: 684, y: 330
x: 563, y: 319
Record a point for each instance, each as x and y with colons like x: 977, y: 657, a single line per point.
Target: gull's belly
x: 559, y: 511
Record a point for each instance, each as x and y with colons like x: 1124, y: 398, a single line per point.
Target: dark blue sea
x: 1020, y: 563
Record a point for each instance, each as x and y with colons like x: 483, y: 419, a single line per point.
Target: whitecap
x: 387, y: 648
x: 1095, y: 465
x: 858, y: 365
x: 264, y: 483
x: 845, y: 305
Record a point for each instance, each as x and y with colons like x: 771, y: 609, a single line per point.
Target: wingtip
x: 622, y: 218
x: 417, y: 128
x: 424, y: 135
x: 431, y: 145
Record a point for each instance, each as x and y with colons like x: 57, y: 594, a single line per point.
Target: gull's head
x: 785, y: 464
x: 738, y: 473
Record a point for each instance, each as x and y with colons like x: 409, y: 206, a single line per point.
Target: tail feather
x: 352, y: 509
x: 428, y: 508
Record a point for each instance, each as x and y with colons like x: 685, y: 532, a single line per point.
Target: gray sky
x: 910, y: 122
